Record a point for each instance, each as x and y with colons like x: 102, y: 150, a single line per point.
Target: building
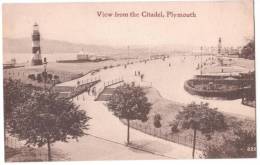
x: 13, y: 61
x: 36, y: 48
x: 82, y: 56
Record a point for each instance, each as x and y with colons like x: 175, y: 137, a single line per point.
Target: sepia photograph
x: 86, y: 81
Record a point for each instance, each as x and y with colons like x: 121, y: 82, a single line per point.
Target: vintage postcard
x: 129, y: 80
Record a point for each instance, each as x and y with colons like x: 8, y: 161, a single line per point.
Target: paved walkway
x: 169, y: 81
x: 105, y: 125
x: 96, y: 148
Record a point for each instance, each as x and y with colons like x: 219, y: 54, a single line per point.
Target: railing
x: 107, y: 84
x: 113, y: 81
x: 82, y: 88
x: 158, y: 132
x: 89, y: 80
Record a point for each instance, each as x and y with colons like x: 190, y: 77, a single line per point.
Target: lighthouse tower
x: 219, y: 46
x: 36, y: 48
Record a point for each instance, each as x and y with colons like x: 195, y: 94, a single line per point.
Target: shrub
x: 39, y: 78
x: 157, y: 120
x: 56, y: 77
x: 241, y: 144
x: 31, y: 76
x: 174, y: 127
x: 50, y: 76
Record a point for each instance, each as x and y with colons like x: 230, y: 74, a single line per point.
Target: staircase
x: 105, y: 94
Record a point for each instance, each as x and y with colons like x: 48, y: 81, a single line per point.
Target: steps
x: 105, y: 94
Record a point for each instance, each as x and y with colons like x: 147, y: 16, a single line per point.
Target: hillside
x: 23, y: 45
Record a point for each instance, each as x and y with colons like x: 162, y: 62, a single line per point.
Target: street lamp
x: 45, y: 72
x: 201, y: 60
x: 195, y: 123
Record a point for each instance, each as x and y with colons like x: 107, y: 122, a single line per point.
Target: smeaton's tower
x: 36, y: 48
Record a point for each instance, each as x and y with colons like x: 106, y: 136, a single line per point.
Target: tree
x: 239, y: 142
x: 129, y: 102
x: 200, y: 117
x: 45, y: 119
x: 248, y: 51
x: 15, y: 93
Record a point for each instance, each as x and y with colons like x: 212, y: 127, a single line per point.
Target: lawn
x: 168, y: 110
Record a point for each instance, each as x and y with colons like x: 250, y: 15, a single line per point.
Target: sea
x: 26, y: 57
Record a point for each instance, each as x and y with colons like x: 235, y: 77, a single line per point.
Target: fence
x: 113, y: 81
x: 82, y: 88
x: 88, y: 80
x: 106, y: 84
x: 158, y: 132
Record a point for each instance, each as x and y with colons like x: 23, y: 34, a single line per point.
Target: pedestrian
x: 142, y: 77
x: 88, y: 90
x: 94, y: 91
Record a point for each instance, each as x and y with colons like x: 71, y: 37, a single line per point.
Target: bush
x: 242, y: 144
x: 50, y: 76
x: 105, y: 67
x: 174, y: 127
x: 39, y: 78
x: 157, y: 120
x: 56, y: 77
x: 31, y: 76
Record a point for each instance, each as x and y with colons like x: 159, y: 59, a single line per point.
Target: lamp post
x: 201, y: 60
x: 45, y: 72
x: 195, y: 122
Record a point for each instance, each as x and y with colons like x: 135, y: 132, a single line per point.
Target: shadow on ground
x: 150, y: 146
x: 28, y: 154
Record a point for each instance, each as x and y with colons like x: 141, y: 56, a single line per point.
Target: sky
x: 79, y: 23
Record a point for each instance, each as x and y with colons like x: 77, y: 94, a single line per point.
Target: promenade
x: 168, y: 79
x: 107, y: 134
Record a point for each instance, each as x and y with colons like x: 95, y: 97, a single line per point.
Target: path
x: 169, y: 81
x: 105, y: 125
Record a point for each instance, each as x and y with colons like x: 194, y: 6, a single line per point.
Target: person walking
x: 142, y: 77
